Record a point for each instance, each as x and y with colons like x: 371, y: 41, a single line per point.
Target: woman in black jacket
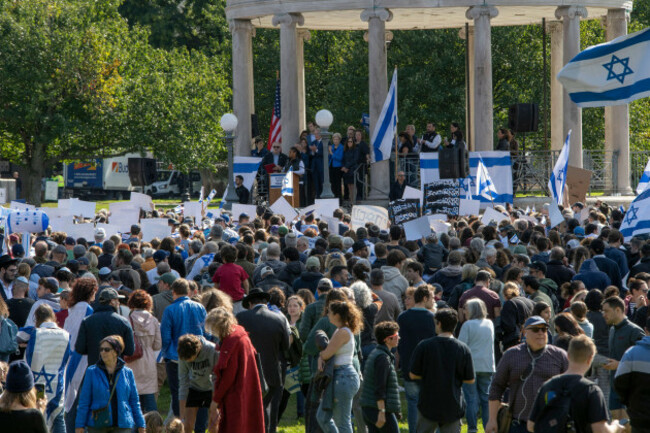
x: 350, y: 162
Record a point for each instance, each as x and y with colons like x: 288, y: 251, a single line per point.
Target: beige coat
x: 147, y: 329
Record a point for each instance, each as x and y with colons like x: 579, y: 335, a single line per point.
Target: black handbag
x: 102, y: 416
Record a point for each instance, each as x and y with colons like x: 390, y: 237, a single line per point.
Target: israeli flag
x: 246, y: 167
x: 645, y: 179
x: 614, y: 73
x: 287, y: 183
x: 484, y: 186
x: 634, y: 222
x: 383, y: 136
x: 210, y: 196
x: 497, y: 163
x: 558, y: 176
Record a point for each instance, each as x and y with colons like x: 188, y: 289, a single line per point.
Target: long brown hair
x: 27, y: 399
x: 349, y: 314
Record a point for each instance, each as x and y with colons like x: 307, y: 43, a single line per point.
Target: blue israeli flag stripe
x: 287, y: 183
x: 383, y: 137
x: 558, y: 175
x: 484, y: 185
x: 614, y: 73
x: 497, y: 163
x: 644, y: 182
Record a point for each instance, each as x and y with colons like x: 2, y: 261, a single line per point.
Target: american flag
x: 275, y: 134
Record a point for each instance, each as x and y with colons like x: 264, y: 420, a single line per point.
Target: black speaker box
x: 255, y: 126
x: 142, y: 171
x: 523, y: 117
x: 453, y: 162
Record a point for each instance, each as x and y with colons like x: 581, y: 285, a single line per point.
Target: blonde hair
x: 26, y: 399
x: 220, y: 322
x: 154, y: 422
x: 175, y: 425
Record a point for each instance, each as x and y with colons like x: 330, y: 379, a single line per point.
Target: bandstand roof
x: 408, y: 14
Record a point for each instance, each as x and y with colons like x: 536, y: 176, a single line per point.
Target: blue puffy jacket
x: 96, y: 392
x: 183, y: 316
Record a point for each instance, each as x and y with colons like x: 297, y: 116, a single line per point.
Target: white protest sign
x: 155, y: 228
x: 55, y: 212
x: 492, y: 215
x: 144, y: 201
x: 362, y: 214
x: 86, y: 231
x: 123, y: 219
x: 121, y: 206
x: 413, y: 193
x: 85, y: 209
x: 326, y: 206
x: 110, y: 229
x: 417, y: 229
x: 3, y: 195
x: 248, y: 209
x: 308, y: 209
x: 584, y: 214
x: 51, y: 190
x: 438, y: 225
x: 283, y: 207
x: 469, y: 207
x: 193, y: 209
x: 332, y: 224
x: 67, y: 203
x: 555, y: 215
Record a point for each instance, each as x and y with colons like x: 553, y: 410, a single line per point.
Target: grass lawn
x: 289, y: 423
x: 162, y: 203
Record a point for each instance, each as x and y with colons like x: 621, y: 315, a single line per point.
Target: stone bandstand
x: 295, y: 18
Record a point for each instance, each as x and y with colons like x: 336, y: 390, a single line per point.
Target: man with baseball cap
x: 104, y: 321
x: 523, y: 369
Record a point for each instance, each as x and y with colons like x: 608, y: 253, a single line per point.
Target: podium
x: 275, y: 189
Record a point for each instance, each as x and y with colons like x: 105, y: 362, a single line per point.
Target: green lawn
x: 162, y: 203
x: 289, y: 423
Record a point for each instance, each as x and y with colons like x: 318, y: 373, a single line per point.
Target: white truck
x: 172, y: 183
x: 107, y: 178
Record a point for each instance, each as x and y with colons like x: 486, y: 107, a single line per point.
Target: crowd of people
x: 499, y: 324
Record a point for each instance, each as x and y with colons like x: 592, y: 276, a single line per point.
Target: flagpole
x: 396, y: 153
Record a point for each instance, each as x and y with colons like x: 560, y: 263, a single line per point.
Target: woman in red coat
x: 237, y: 398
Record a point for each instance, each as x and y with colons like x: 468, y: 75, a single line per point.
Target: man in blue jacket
x: 183, y: 316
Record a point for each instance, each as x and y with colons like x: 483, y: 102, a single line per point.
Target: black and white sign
x: 404, y: 210
x: 442, y: 197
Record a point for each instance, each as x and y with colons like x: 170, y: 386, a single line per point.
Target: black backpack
x: 556, y: 416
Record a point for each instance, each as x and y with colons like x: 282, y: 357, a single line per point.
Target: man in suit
x: 276, y: 157
x: 269, y: 333
x: 316, y: 164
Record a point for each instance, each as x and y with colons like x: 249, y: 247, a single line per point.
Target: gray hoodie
x: 197, y: 374
x: 395, y: 283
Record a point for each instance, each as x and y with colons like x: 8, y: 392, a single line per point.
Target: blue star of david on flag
x: 611, y: 68
x: 631, y: 215
x: 49, y: 377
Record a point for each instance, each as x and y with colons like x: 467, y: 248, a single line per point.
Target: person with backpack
x: 569, y: 402
x: 8, y: 332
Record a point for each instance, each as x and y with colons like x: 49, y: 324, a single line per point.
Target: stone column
x: 469, y: 114
x: 303, y: 35
x: 617, y: 118
x: 571, y: 113
x: 378, y: 89
x: 243, y: 102
x: 557, y: 61
x: 289, y: 87
x: 482, y: 110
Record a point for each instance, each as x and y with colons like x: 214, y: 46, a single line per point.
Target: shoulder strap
x: 114, y: 385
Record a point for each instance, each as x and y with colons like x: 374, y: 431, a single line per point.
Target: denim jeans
x: 148, y: 403
x: 476, y: 395
x: 201, y: 422
x: 412, y: 391
x: 58, y: 425
x: 346, y: 384
x: 172, y: 380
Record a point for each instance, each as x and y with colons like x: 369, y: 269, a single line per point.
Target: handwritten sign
x: 442, y: 197
x: 363, y: 214
x: 404, y: 210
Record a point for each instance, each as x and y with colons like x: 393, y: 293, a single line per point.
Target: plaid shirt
x: 515, y: 365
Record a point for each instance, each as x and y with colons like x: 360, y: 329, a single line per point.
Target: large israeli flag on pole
x: 383, y: 136
x: 613, y: 73
x: 558, y: 176
x: 484, y: 185
x: 644, y: 183
x: 634, y: 223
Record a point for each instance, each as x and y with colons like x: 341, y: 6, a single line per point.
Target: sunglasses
x: 276, y: 147
x: 105, y: 349
x: 537, y: 330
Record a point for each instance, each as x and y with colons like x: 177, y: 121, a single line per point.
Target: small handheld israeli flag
x: 178, y: 209
x: 484, y: 185
x: 287, y: 183
x: 645, y: 179
x: 634, y: 223
x: 558, y: 176
x: 201, y: 195
x: 210, y: 197
x: 622, y: 209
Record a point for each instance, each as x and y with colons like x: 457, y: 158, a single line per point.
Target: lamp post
x: 324, y: 119
x: 228, y: 124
